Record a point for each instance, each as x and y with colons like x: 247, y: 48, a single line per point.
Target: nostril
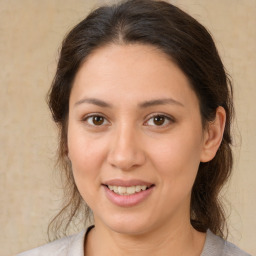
x: 126, y: 160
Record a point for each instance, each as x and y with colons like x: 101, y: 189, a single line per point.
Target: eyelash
x: 167, y: 118
x: 85, y: 119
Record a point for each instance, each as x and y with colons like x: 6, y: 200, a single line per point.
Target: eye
x: 159, y: 120
x: 96, y: 120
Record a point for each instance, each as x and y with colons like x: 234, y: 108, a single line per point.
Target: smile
x: 126, y: 191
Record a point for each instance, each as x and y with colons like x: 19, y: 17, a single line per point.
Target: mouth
x: 127, y: 191
x: 128, y: 194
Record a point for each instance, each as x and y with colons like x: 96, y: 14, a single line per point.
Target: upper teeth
x: 127, y: 190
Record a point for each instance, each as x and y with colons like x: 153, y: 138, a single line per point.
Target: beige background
x: 30, y: 34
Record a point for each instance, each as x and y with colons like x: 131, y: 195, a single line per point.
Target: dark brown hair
x: 191, y: 47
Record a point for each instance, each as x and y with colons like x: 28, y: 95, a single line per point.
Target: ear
x: 213, y: 135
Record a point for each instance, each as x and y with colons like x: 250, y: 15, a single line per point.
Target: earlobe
x: 213, y: 135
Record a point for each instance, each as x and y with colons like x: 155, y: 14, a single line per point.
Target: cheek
x: 86, y: 155
x: 177, y: 157
x: 83, y: 148
x: 176, y: 162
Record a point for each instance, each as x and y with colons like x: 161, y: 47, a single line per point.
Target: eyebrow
x: 145, y: 104
x: 156, y: 102
x: 94, y: 101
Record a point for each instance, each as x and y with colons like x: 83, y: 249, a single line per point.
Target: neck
x: 163, y: 241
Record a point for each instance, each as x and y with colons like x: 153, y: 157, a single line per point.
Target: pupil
x: 98, y: 120
x: 159, y: 120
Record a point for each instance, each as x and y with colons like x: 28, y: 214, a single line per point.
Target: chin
x: 128, y: 224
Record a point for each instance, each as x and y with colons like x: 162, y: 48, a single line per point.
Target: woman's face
x: 135, y: 138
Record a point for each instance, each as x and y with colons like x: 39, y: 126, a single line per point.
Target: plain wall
x: 30, y: 34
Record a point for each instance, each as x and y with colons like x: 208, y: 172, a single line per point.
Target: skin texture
x: 127, y: 144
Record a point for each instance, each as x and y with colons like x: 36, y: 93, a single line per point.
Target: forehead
x: 136, y: 72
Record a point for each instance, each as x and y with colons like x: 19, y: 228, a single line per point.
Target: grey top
x: 74, y: 246
x: 216, y: 246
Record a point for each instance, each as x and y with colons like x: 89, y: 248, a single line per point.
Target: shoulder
x: 232, y: 250
x: 71, y: 245
x: 216, y: 246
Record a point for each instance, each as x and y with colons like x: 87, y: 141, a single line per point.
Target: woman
x: 144, y: 108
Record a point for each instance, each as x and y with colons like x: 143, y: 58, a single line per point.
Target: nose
x: 126, y: 150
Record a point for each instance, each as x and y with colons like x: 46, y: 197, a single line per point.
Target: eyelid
x: 166, y: 116
x: 84, y: 119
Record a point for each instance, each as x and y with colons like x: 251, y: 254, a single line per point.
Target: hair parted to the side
x: 188, y: 44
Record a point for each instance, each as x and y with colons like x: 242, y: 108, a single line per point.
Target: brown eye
x: 96, y: 120
x: 159, y: 120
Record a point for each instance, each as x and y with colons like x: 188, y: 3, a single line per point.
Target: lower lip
x: 127, y: 200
